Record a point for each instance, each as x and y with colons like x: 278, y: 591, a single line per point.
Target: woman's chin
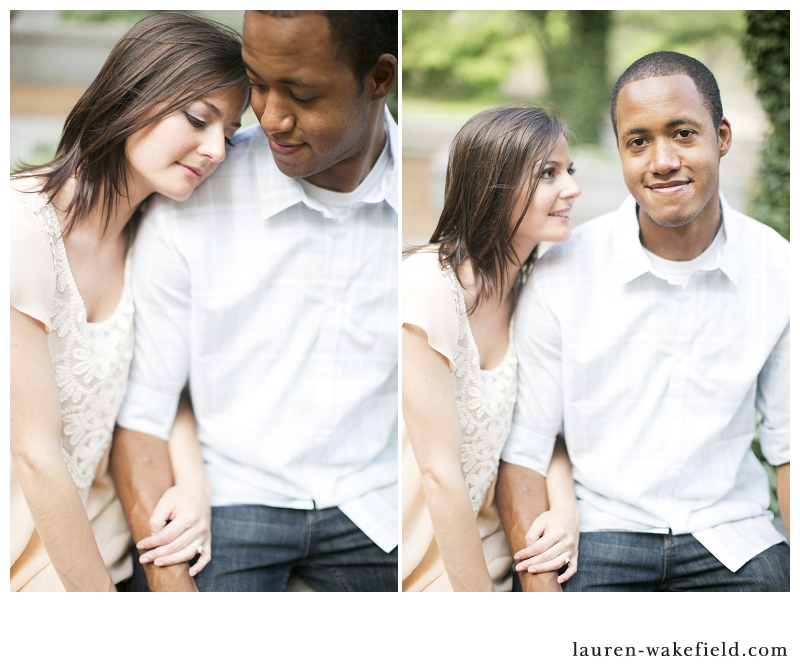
x: 178, y: 195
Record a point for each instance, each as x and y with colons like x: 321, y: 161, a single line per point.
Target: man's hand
x: 141, y: 470
x: 521, y: 498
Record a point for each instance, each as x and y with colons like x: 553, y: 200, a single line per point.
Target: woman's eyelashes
x: 550, y: 173
x: 199, y: 123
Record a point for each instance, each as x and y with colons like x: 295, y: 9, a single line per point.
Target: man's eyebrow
x: 670, y: 124
x: 682, y: 121
x: 635, y: 131
x: 286, y: 80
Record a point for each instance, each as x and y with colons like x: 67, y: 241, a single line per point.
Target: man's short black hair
x: 361, y: 37
x: 665, y: 64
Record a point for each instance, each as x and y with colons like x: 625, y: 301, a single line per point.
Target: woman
x: 509, y: 187
x: 155, y: 120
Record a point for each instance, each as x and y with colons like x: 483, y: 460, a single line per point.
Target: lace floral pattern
x: 91, y: 362
x: 485, y: 401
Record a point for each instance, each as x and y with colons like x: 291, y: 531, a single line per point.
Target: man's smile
x: 675, y: 186
x: 285, y: 148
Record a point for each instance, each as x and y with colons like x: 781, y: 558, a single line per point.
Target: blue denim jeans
x: 622, y: 561
x: 254, y: 549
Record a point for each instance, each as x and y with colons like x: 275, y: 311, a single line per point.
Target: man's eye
x: 685, y: 133
x: 228, y: 142
x: 638, y: 142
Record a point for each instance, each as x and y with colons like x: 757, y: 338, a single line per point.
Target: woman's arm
x: 183, y: 514
x: 554, y: 533
x: 431, y: 418
x: 50, y: 492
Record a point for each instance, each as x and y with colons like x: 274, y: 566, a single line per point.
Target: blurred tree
x: 574, y: 47
x: 463, y: 54
x: 766, y: 46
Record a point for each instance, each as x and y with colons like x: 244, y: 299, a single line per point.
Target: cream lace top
x: 90, y: 359
x: 484, y: 398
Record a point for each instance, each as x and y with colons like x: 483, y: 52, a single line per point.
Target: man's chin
x: 292, y: 169
x: 674, y: 219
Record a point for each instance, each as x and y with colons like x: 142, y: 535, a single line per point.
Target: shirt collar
x: 277, y: 192
x: 631, y: 261
x: 729, y: 254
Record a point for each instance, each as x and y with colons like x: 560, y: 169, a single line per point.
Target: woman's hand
x: 552, y: 536
x: 181, y: 520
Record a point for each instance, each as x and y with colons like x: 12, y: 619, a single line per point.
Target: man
x: 273, y: 290
x: 656, y: 335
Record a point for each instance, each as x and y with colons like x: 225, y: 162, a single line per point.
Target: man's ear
x: 725, y: 137
x: 382, y: 77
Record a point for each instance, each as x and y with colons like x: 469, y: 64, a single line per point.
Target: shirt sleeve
x: 429, y: 302
x: 162, y: 298
x: 33, y: 275
x: 539, y: 409
x: 772, y: 401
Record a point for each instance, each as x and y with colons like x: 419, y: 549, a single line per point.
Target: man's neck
x: 682, y: 243
x: 346, y: 175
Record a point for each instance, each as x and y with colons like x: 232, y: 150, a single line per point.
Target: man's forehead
x: 296, y: 43
x: 659, y: 96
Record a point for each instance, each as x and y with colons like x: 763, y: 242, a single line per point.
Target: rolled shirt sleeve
x: 162, y: 297
x: 539, y: 409
x: 772, y: 401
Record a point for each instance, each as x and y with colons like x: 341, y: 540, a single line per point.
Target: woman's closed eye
x: 199, y: 123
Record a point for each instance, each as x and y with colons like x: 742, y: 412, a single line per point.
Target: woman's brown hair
x: 494, y: 158
x: 167, y: 59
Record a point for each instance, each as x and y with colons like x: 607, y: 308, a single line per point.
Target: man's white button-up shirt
x: 658, y: 387
x: 283, y: 318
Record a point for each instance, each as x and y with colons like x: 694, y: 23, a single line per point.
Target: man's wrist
x: 174, y: 578
x: 540, y: 582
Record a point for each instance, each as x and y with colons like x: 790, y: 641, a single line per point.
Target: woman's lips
x: 563, y: 215
x: 194, y: 173
x: 284, y: 149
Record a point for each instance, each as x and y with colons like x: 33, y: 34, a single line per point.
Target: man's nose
x: 276, y: 117
x: 664, y: 158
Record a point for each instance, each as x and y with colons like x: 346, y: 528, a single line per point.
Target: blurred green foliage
x: 766, y: 46
x: 460, y: 54
x: 636, y: 33
x: 577, y: 78
x: 471, y: 54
